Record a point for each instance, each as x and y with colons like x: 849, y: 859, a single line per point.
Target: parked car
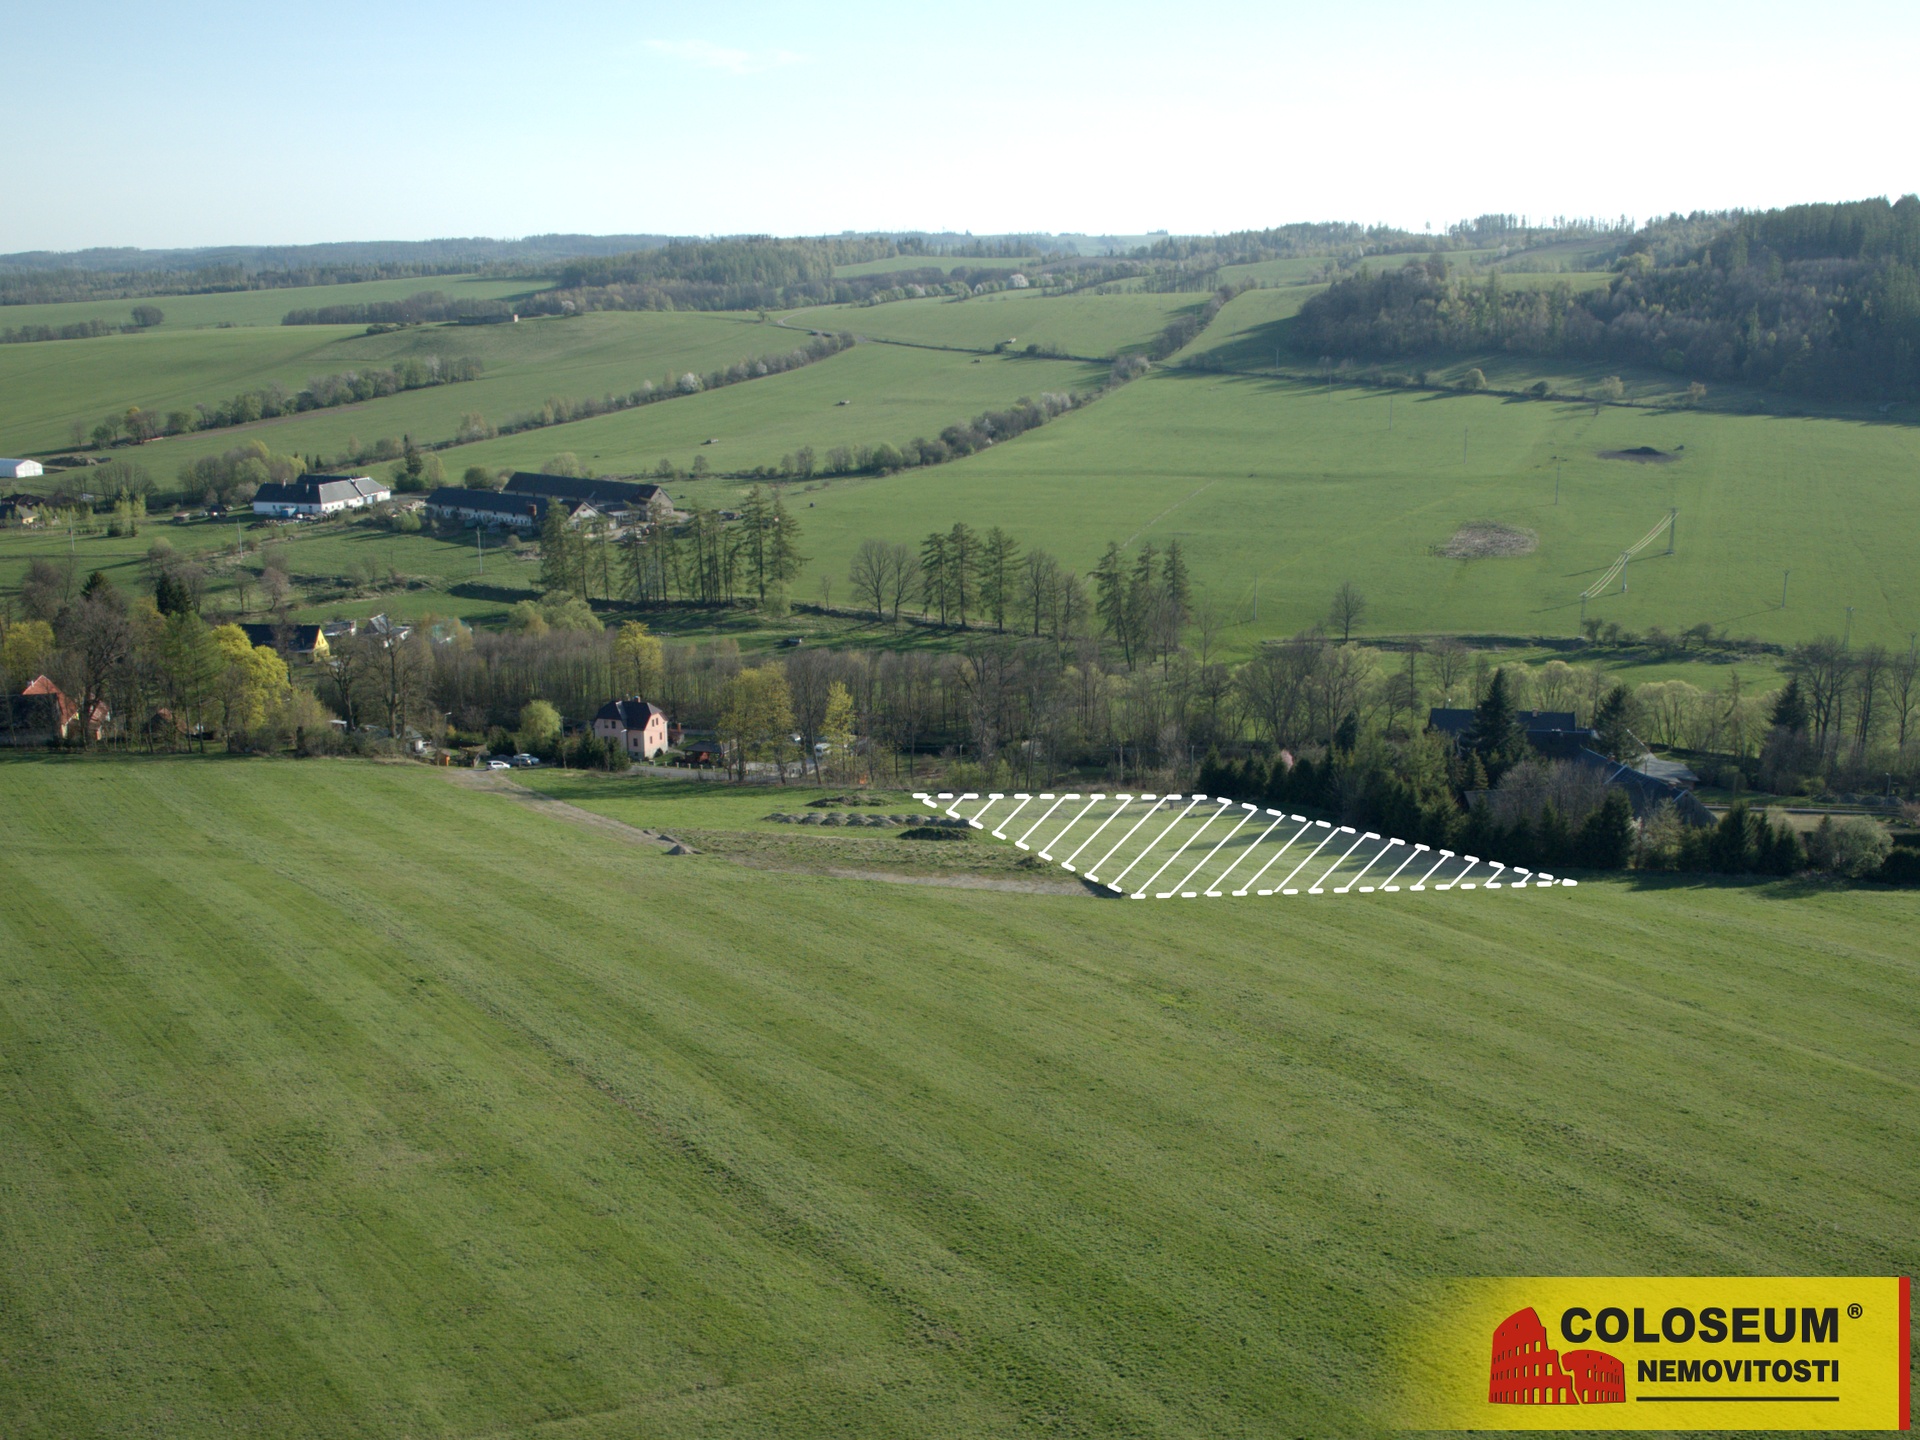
x: 524, y: 760
x: 498, y: 765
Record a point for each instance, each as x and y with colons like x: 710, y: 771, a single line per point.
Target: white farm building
x: 19, y: 469
x: 318, y: 495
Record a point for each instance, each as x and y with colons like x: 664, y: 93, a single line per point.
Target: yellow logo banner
x: 1646, y: 1353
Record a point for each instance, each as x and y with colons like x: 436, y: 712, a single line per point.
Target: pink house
x: 639, y: 725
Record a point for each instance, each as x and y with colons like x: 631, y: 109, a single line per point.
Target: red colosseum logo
x: 1526, y: 1372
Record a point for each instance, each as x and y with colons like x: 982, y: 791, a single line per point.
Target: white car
x: 498, y: 765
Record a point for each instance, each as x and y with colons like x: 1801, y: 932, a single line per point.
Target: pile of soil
x: 1487, y: 540
x: 1640, y: 455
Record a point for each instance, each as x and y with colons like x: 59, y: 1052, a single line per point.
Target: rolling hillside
x: 431, y: 1110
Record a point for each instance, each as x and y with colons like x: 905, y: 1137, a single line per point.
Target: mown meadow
x: 345, y: 1100
x: 1279, y: 487
x: 1286, y: 488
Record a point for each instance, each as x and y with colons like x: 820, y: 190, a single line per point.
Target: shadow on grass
x: 1766, y: 887
x: 496, y: 594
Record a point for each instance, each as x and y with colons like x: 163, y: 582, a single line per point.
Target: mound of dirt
x: 1487, y: 540
x: 1640, y: 455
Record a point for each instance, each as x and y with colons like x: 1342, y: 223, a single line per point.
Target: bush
x: 933, y: 832
x: 1902, y: 867
x: 1856, y: 847
x: 1474, y: 379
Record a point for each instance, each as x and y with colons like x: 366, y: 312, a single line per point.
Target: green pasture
x: 1292, y: 488
x: 343, y: 1100
x: 1091, y: 326
x: 1288, y: 270
x: 256, y: 307
x: 574, y: 358
x: 896, y: 393
x: 1251, y: 331
x: 571, y: 357
x: 46, y: 387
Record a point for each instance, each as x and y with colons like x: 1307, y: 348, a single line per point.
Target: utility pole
x: 1673, y: 524
x: 1847, y: 639
x: 1556, y: 479
x: 1785, y: 575
x: 1256, y: 599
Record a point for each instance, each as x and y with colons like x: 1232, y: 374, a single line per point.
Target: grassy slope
x: 1087, y: 325
x: 45, y: 387
x: 418, y: 1111
x: 1298, y: 490
x: 257, y: 307
x: 897, y: 393
x: 576, y: 357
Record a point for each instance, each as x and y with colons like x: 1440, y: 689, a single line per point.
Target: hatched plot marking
x: 1154, y: 836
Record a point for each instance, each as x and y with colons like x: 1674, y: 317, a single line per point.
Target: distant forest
x: 1818, y: 300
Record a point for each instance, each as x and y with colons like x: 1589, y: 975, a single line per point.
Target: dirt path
x: 495, y: 782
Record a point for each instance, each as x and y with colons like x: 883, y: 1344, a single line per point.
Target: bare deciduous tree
x: 1348, y: 606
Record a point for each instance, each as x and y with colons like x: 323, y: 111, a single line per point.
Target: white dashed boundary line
x: 1195, y: 883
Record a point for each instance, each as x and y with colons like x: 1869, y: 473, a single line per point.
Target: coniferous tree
x: 1497, y: 741
x: 171, y: 596
x: 1175, y: 583
x: 999, y: 582
x: 1612, y: 722
x: 1790, y: 708
x: 1110, y: 589
x: 936, y: 563
x: 1606, y: 839
x: 783, y: 558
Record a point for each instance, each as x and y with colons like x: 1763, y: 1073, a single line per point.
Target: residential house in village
x: 638, y: 725
x: 41, y: 714
x: 295, y: 642
x: 1557, y: 735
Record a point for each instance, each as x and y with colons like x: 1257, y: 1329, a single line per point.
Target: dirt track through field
x: 494, y: 782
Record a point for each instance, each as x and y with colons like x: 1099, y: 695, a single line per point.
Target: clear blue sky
x: 197, y: 124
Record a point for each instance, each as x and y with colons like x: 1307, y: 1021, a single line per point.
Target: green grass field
x: 1294, y: 489
x: 1275, y: 488
x: 344, y: 1100
x: 1092, y: 326
x: 257, y: 307
x: 896, y: 392
x: 574, y: 358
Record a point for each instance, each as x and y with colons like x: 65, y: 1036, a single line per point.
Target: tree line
x: 1816, y: 300
x: 46, y: 279
x: 145, y: 317
x: 1309, y: 723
